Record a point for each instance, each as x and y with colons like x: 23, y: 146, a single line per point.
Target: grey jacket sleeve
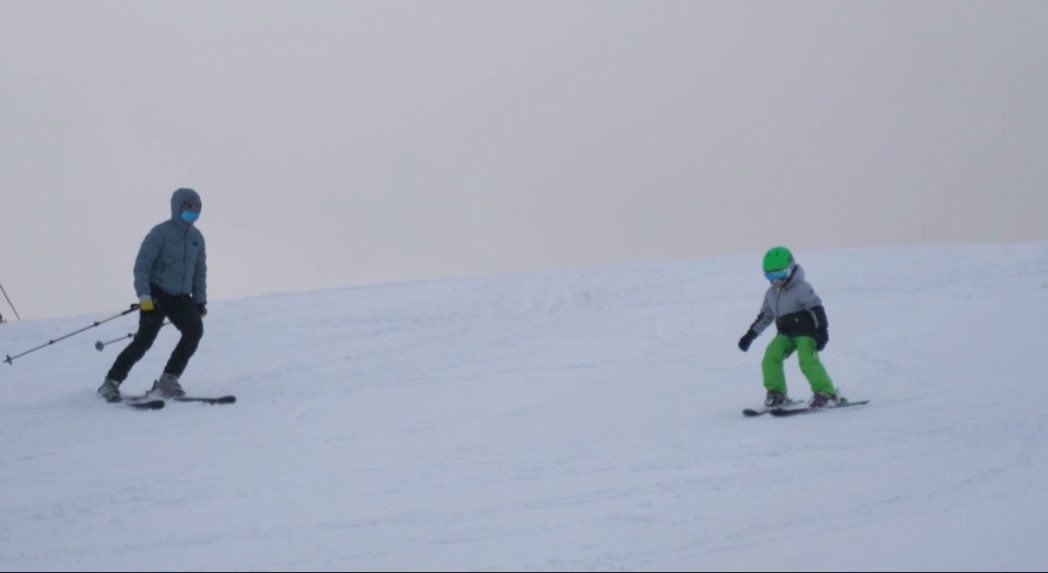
x: 147, y: 256
x: 200, y: 275
x: 764, y: 319
x: 807, y: 298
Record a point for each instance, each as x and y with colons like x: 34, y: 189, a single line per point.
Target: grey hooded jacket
x: 795, y: 308
x: 173, y: 255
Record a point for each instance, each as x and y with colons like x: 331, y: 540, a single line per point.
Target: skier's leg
x: 186, y: 318
x: 779, y: 349
x: 149, y: 324
x: 813, y: 368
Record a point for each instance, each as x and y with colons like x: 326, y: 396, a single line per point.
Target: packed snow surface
x: 568, y: 420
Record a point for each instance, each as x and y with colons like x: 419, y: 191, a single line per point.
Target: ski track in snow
x: 571, y: 420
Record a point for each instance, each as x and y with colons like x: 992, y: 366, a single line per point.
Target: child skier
x: 802, y: 327
x: 170, y: 281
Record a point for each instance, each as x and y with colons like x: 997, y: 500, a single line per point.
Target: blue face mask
x: 190, y: 217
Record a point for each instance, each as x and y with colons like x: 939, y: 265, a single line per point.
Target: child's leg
x: 780, y: 348
x: 812, y: 367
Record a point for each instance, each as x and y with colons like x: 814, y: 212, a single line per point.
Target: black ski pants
x: 183, y: 314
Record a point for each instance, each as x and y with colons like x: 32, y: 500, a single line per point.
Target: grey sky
x: 341, y: 143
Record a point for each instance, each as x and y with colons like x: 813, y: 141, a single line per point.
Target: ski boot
x: 110, y: 390
x: 775, y: 399
x: 168, y: 387
x: 823, y: 400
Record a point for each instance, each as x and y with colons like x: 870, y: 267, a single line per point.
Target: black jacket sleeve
x: 822, y: 333
x: 821, y: 323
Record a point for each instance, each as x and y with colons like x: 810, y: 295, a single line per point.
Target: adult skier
x: 799, y: 317
x: 171, y: 281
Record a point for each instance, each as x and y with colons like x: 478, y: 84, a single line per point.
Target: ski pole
x: 99, y: 346
x: 133, y: 308
x: 9, y: 303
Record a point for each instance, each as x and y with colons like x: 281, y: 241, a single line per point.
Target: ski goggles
x: 189, y: 216
x: 778, y: 276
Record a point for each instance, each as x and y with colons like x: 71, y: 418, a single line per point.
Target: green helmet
x: 777, y: 259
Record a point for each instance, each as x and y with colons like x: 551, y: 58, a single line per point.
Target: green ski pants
x: 781, y: 348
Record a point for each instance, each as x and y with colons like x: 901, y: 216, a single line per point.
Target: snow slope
x: 570, y: 420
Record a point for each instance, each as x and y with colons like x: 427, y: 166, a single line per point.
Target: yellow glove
x: 145, y: 303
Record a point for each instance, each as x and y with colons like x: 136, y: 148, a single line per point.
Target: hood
x: 796, y: 277
x: 184, y: 197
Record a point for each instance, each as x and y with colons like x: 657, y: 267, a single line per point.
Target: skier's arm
x: 813, y: 304
x: 764, y: 319
x: 147, y: 255
x: 821, y: 323
x: 200, y: 276
x: 807, y: 297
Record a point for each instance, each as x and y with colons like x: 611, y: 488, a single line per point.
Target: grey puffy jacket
x: 173, y: 255
x: 795, y: 308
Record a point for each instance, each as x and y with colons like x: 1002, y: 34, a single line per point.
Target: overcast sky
x: 343, y: 143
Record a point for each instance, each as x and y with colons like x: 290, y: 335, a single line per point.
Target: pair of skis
x: 148, y: 402
x: 794, y: 407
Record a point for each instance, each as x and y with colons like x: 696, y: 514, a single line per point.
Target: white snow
x: 569, y: 420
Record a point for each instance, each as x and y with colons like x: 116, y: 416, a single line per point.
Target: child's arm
x: 764, y: 320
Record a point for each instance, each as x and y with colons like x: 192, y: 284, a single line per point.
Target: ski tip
x: 225, y: 400
x: 219, y: 400
x: 151, y: 405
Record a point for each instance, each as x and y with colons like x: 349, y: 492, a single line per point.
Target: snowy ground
x: 575, y: 420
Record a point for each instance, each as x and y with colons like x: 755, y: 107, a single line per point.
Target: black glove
x: 822, y: 336
x: 822, y: 332
x: 203, y: 310
x: 746, y: 341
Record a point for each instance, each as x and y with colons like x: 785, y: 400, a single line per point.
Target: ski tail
x: 135, y: 404
x: 754, y: 412
x: 147, y: 405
